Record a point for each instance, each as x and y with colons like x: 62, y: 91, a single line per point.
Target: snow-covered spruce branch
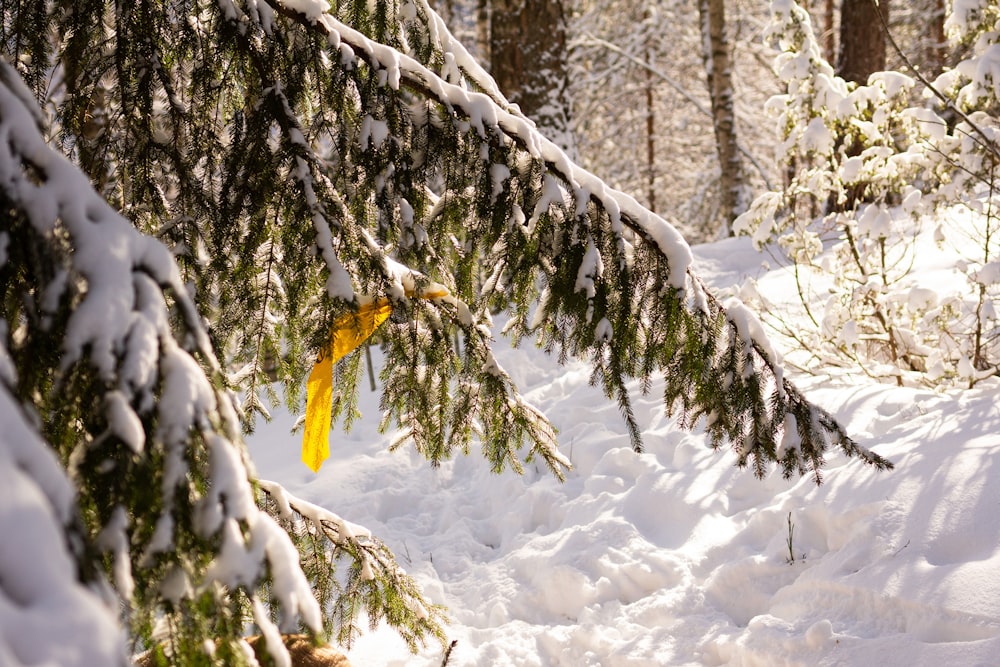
x: 31, y: 170
x: 511, y: 418
x: 40, y: 587
x: 494, y: 123
x: 456, y: 56
x: 324, y: 540
x: 761, y: 414
x: 151, y: 443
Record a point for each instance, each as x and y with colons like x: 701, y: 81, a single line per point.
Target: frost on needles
x: 293, y: 160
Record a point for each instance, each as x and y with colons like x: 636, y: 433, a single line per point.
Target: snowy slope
x: 675, y: 557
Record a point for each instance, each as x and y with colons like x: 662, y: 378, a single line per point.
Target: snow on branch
x: 39, y: 590
x: 492, y: 121
x: 337, y: 238
x: 325, y: 539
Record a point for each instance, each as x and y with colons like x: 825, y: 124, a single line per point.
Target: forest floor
x: 674, y: 556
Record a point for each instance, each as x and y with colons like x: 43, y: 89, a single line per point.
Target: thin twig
x: 901, y: 548
x: 447, y: 653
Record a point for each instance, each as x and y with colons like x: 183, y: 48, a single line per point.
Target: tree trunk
x: 829, y: 43
x: 483, y: 31
x: 650, y: 133
x: 528, y: 61
x: 862, y: 41
x: 937, y: 44
x: 718, y: 69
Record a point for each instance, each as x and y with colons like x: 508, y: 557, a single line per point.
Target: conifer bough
x: 762, y: 414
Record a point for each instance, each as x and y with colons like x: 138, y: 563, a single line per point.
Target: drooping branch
x: 373, y: 574
x: 492, y: 122
x: 770, y: 405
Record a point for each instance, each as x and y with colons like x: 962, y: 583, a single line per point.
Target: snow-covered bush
x: 863, y: 163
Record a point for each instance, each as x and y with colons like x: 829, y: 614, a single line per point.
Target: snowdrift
x: 674, y: 556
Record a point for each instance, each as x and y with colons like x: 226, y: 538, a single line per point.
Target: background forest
x: 219, y: 213
x: 631, y: 82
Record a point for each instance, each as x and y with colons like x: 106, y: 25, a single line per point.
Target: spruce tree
x: 223, y: 180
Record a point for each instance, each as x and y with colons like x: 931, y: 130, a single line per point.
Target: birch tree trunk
x: 718, y: 70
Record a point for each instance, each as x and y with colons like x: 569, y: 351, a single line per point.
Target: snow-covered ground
x: 674, y: 556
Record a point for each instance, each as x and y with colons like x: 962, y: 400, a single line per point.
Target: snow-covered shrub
x: 863, y: 163
x: 971, y: 152
x: 853, y: 176
x: 974, y: 25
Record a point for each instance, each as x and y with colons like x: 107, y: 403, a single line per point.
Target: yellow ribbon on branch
x: 348, y: 332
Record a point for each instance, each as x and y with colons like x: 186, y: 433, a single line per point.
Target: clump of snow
x: 604, y: 331
x: 123, y: 422
x: 590, y: 271
x: 988, y: 274
x: 311, y: 9
x: 552, y: 193
x: 113, y: 539
x: 751, y: 332
x: 499, y: 173
x: 374, y: 132
x: 817, y: 137
x: 47, y: 617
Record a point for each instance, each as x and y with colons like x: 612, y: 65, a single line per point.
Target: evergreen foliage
x: 297, y: 160
x: 109, y: 351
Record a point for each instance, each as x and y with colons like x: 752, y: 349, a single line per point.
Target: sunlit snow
x: 674, y: 556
